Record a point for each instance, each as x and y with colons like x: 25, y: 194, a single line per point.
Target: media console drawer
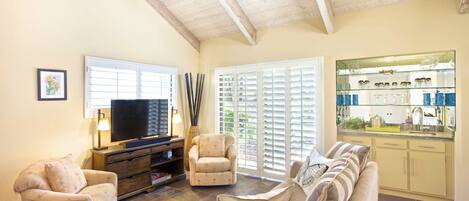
x: 134, y: 183
x: 130, y: 167
x: 127, y: 155
x: 177, y: 145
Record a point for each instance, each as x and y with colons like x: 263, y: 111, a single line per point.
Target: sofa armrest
x: 43, y: 195
x: 294, y: 168
x: 367, y: 186
x: 231, y: 152
x: 193, y: 154
x: 94, y: 177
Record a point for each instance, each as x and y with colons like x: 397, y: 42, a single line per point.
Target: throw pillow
x: 65, y: 176
x: 338, y: 182
x: 340, y: 148
x: 212, y: 145
x: 313, y: 168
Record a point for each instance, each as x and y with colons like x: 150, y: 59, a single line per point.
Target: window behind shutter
x: 225, y: 101
x: 107, y: 79
x: 110, y: 83
x: 302, y: 112
x: 274, y: 90
x: 272, y: 109
x: 247, y: 119
x: 155, y: 85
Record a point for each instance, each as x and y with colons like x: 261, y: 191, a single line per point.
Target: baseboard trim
x: 411, y: 195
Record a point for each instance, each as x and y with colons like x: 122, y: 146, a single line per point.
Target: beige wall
x: 57, y: 34
x: 415, y: 26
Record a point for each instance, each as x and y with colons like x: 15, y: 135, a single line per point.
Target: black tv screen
x: 138, y: 118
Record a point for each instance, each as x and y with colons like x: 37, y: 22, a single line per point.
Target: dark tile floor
x: 246, y: 185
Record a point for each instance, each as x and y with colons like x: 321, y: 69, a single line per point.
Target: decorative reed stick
x: 194, y: 100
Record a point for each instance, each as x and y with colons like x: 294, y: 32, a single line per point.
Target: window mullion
x: 260, y: 123
x: 287, y: 121
x: 139, y: 83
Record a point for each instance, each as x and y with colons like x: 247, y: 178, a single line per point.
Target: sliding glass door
x: 274, y: 112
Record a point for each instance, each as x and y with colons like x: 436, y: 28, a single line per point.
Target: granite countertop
x: 431, y: 135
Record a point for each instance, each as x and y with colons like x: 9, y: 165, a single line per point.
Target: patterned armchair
x: 33, y: 185
x: 212, y: 160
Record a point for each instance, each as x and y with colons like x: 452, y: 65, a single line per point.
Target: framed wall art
x: 51, y: 84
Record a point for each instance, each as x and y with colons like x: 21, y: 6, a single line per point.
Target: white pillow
x: 317, y: 158
x: 311, y: 170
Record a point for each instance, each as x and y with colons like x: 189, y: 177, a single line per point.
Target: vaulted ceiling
x: 199, y: 20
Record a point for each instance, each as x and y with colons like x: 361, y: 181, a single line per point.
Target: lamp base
x: 100, y: 148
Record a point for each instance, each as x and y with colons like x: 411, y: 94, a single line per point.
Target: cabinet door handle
x: 391, y: 144
x: 412, y: 167
x: 404, y: 162
x: 428, y: 147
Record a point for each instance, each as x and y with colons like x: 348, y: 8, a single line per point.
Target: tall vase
x: 193, y: 132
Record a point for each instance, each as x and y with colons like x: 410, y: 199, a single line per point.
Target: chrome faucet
x: 417, y: 115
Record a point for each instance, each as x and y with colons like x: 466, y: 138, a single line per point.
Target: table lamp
x: 103, y: 125
x: 175, y: 119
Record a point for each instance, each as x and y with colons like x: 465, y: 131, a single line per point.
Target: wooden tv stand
x: 134, y: 166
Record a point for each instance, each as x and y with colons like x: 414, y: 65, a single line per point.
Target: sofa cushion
x: 212, y: 145
x: 65, y: 176
x: 33, y: 177
x: 278, y: 194
x: 212, y: 164
x: 338, y: 183
x: 298, y: 193
x: 340, y: 148
x: 100, y: 192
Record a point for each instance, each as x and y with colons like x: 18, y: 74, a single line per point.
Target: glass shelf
x: 399, y: 105
x: 396, y: 89
x: 397, y: 72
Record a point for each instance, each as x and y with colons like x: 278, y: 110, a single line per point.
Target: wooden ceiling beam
x: 175, y: 23
x: 236, y: 13
x: 464, y: 7
x: 325, y: 8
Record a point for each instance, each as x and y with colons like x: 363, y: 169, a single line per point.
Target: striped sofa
x: 366, y: 188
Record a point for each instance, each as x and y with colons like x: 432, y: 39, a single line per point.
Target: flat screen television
x: 131, y: 119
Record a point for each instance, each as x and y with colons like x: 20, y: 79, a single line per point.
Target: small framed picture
x: 51, y: 84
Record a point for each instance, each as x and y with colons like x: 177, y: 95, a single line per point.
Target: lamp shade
x: 177, y: 118
x: 103, y: 125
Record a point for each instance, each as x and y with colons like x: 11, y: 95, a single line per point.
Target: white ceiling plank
x: 175, y: 23
x: 233, y: 9
x: 464, y: 7
x: 325, y: 8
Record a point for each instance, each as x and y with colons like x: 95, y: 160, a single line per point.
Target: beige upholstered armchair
x: 33, y: 184
x: 212, y: 160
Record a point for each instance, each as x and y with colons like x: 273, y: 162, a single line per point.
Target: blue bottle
x: 439, y: 99
x: 427, y: 99
x: 355, y: 99
x: 340, y: 100
x: 450, y: 99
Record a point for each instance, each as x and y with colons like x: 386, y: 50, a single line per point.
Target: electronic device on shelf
x: 141, y: 122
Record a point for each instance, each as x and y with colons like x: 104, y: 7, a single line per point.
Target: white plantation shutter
x: 225, y: 98
x: 110, y: 83
x: 247, y: 119
x: 274, y: 90
x: 107, y: 79
x: 156, y: 85
x: 274, y: 110
x: 302, y: 112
